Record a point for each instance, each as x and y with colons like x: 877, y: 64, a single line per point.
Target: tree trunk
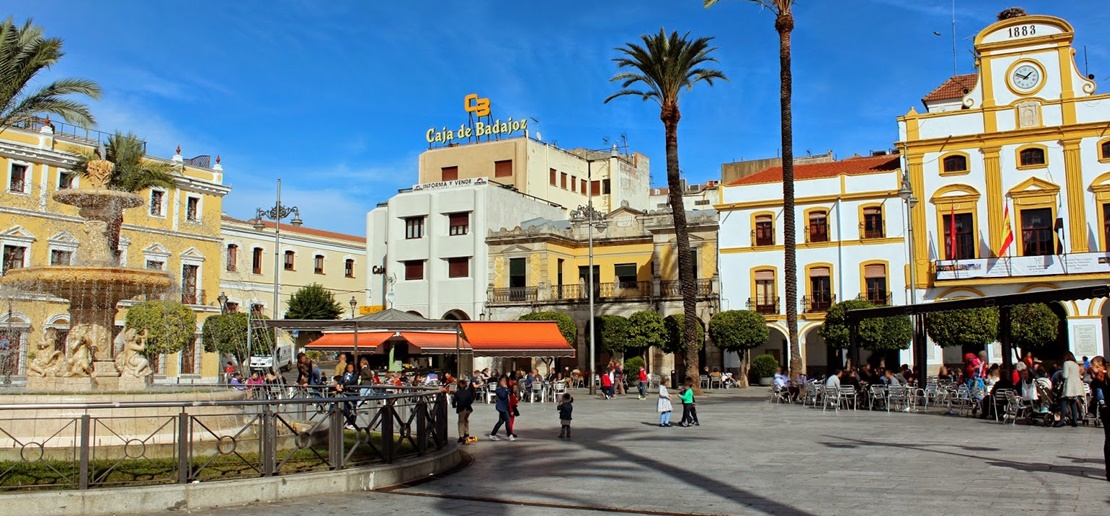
x: 784, y: 24
x: 670, y: 117
x: 745, y: 368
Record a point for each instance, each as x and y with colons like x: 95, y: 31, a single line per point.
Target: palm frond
x: 663, y: 66
x: 24, y: 53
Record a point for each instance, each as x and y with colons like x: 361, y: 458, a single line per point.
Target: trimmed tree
x: 613, y: 333
x: 647, y: 330
x: 676, y: 338
x: 1032, y: 326
x: 313, y: 302
x: 975, y: 327
x: 227, y: 334
x: 169, y: 325
x: 740, y: 331
x: 876, y: 335
x: 566, y: 323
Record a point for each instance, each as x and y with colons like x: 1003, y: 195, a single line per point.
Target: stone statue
x: 48, y: 361
x: 100, y: 172
x: 130, y: 360
x: 80, y: 347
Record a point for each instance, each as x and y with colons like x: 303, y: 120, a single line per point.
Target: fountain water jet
x: 93, y: 287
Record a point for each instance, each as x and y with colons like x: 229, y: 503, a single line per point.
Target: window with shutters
x: 414, y: 270
x: 563, y: 180
x: 874, y: 277
x: 818, y: 230
x: 503, y: 168
x: 232, y: 257
x: 595, y: 187
x: 15, y: 257
x: 449, y: 173
x: 873, y: 222
x: 1030, y: 157
x: 349, y: 268
x: 1037, y: 237
x: 290, y: 258
x: 18, y: 182
x: 553, y: 177
x: 60, y: 257
x: 459, y: 223
x: 766, y: 298
x: 626, y: 274
x: 820, y: 290
x: 318, y: 264
x: 959, y: 240
x: 256, y: 261
x: 458, y: 267
x: 764, y: 230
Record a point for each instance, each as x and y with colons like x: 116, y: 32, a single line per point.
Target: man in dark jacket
x: 464, y: 405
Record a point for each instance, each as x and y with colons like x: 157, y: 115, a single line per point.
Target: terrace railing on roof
x: 68, y: 132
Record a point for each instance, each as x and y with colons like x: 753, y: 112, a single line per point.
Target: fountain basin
x: 98, y: 199
x: 89, y: 285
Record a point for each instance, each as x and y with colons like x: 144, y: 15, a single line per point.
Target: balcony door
x: 766, y: 302
x: 820, y: 289
x: 584, y: 280
x: 875, y: 278
x: 1036, y: 232
x: 517, y: 279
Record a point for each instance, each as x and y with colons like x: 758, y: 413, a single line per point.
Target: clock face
x: 1026, y: 77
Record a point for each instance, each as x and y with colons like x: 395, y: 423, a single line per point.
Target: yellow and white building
x: 177, y: 230
x: 850, y: 239
x: 1022, y: 145
x: 335, y: 261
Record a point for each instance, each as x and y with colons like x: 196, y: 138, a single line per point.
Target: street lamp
x: 277, y: 214
x: 906, y: 193
x: 354, y: 304
x: 592, y: 219
x: 222, y: 299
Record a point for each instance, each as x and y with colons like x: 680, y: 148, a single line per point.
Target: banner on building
x: 1023, y: 266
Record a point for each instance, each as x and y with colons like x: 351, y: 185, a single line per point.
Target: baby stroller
x: 1044, y: 409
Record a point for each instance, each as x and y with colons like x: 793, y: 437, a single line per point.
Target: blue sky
x: 335, y: 97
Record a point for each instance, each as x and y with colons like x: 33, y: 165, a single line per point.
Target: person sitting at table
x: 779, y: 381
x: 942, y: 374
x: 852, y: 379
x: 866, y: 375
x: 890, y: 380
x: 833, y: 382
x: 1003, y: 382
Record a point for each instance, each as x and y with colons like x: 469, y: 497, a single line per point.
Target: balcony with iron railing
x: 194, y: 296
x: 68, y: 132
x: 764, y: 306
x: 611, y: 291
x: 817, y: 304
x: 878, y: 298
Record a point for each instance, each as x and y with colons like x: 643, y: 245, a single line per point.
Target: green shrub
x: 632, y: 367
x: 764, y: 366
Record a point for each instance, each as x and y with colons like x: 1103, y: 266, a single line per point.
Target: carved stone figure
x: 130, y: 361
x: 100, y: 171
x: 80, y: 347
x: 48, y: 360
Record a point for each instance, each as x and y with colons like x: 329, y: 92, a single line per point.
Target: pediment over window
x: 1034, y: 186
x: 156, y: 249
x: 192, y: 254
x: 17, y: 233
x: 63, y: 237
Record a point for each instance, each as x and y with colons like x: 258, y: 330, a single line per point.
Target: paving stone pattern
x: 750, y: 457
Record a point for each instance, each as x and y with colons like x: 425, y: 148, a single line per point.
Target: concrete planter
x: 765, y: 381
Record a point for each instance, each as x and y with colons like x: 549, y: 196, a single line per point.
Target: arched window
x: 955, y: 163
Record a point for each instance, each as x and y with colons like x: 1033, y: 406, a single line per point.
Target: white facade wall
x: 491, y: 208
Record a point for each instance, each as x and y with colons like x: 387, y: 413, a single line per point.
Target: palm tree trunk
x: 670, y: 116
x: 784, y: 24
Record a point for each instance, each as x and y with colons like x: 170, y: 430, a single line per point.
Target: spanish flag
x: 1008, y: 231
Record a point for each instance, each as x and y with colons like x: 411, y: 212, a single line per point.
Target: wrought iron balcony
x: 817, y: 304
x: 513, y: 295
x: 673, y: 288
x: 194, y: 297
x: 765, y: 306
x: 879, y: 298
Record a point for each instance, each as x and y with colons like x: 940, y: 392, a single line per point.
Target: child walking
x: 664, y: 405
x: 689, y: 411
x: 565, y: 408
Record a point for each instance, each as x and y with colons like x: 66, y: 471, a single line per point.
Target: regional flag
x: 1007, y: 231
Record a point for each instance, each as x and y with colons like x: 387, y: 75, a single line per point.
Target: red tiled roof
x: 303, y: 230
x: 850, y: 166
x: 953, y: 88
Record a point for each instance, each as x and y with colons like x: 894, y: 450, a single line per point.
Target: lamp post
x: 906, y: 193
x: 354, y: 304
x: 592, y: 219
x: 223, y: 303
x: 276, y: 214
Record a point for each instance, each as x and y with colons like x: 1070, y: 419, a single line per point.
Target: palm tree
x: 659, y: 71
x: 24, y: 52
x: 132, y: 173
x: 784, y: 25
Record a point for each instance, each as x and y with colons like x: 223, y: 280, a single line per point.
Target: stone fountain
x: 91, y: 359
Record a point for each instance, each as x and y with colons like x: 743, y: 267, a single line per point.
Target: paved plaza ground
x: 749, y: 457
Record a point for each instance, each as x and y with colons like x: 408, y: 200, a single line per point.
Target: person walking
x: 565, y: 408
x: 643, y: 382
x: 664, y: 405
x: 502, y: 406
x: 464, y: 405
x: 618, y: 378
x: 687, y: 397
x: 514, y: 410
x: 1073, y: 388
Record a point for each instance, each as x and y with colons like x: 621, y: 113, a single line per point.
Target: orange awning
x: 371, y: 342
x: 435, y: 342
x: 516, y: 339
